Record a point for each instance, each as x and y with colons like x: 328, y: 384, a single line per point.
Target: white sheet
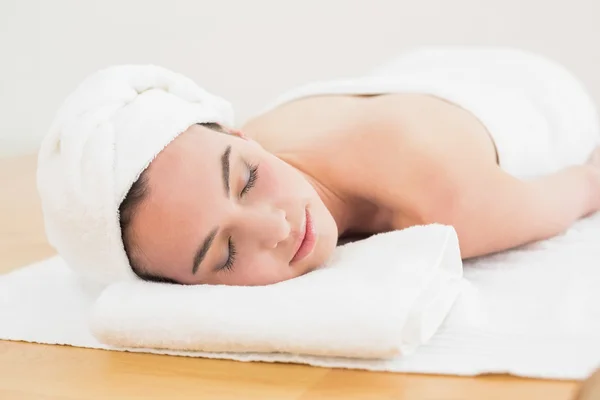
x: 534, y: 312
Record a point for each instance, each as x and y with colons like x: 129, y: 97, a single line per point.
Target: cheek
x: 278, y: 178
x: 259, y: 269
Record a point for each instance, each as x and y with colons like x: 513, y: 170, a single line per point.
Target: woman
x: 492, y: 142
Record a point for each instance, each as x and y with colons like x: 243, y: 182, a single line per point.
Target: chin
x: 328, y: 245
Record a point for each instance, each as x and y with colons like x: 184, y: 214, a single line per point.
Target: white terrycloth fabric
x: 533, y: 311
x: 539, y: 115
x: 378, y: 298
x: 103, y: 136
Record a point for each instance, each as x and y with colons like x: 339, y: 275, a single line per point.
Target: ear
x: 239, y: 133
x: 236, y: 132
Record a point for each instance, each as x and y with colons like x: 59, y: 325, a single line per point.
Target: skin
x: 187, y: 200
x: 361, y: 165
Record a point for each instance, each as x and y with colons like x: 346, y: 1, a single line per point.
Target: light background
x: 251, y: 51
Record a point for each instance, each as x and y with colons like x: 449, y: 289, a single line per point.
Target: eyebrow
x: 225, y: 168
x: 203, y: 249
x: 205, y: 246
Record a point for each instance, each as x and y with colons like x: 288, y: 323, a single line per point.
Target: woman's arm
x: 452, y: 179
x: 493, y: 211
x: 438, y: 165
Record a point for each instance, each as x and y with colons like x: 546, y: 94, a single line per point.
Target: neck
x: 337, y: 202
x: 352, y: 214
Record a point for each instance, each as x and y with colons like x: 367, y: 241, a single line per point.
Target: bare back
x: 372, y: 147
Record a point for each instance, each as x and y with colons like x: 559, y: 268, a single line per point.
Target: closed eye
x: 228, y: 266
x: 252, y: 178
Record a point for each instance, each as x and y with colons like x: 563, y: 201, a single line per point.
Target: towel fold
x: 377, y: 298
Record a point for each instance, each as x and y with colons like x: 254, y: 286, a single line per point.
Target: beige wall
x: 251, y: 50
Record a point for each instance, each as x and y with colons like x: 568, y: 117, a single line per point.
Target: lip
x: 306, y: 240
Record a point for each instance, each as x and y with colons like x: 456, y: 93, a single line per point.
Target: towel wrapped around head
x: 103, y: 137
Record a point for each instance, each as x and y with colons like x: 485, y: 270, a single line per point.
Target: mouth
x: 306, y: 240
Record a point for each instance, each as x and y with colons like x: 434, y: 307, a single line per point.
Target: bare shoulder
x: 433, y: 125
x: 419, y: 153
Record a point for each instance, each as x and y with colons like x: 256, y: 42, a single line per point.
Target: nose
x: 262, y: 224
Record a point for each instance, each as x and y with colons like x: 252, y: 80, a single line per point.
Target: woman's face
x: 222, y: 210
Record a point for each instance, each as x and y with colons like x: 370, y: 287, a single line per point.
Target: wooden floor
x: 34, y: 371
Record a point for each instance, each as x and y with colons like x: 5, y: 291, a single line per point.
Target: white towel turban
x: 103, y: 137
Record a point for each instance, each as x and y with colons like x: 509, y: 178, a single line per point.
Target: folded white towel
x: 378, y: 298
